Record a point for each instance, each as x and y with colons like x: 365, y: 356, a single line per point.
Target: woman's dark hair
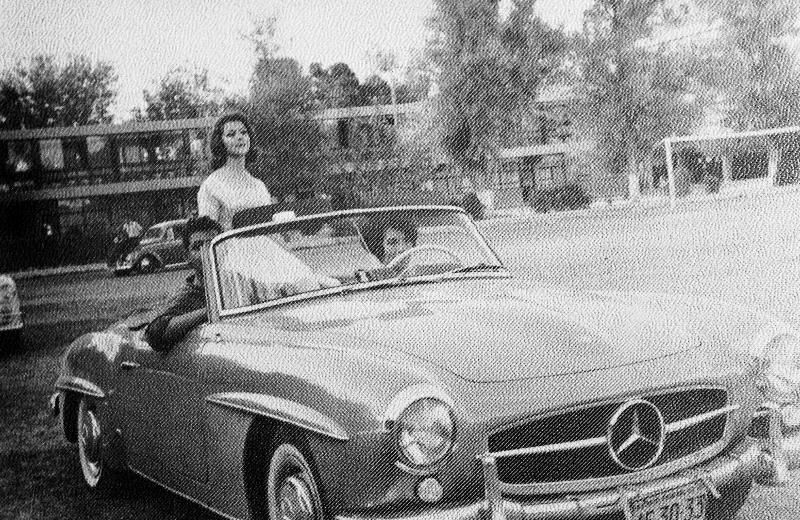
x: 218, y: 152
x: 375, y: 231
x: 198, y: 225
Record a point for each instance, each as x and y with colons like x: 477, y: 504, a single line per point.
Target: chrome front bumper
x: 766, y: 460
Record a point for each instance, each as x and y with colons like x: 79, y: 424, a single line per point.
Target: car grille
x: 594, y: 461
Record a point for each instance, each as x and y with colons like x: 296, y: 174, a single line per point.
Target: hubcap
x: 89, y: 442
x: 294, y: 500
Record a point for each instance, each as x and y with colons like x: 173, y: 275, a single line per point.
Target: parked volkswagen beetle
x: 383, y: 363
x: 160, y: 246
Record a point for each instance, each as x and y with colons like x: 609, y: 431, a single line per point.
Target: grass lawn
x: 40, y: 477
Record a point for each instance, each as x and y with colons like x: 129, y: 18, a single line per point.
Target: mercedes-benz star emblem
x: 636, y: 434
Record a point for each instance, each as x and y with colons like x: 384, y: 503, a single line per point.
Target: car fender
x: 281, y: 410
x: 88, y: 366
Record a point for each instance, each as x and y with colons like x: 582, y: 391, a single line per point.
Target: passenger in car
x: 386, y: 239
x: 187, y: 309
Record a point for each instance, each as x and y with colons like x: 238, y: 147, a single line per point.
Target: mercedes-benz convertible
x: 385, y: 364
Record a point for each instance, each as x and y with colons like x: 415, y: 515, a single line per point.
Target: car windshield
x: 351, y: 250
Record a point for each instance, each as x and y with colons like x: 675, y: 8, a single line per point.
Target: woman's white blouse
x: 220, y: 197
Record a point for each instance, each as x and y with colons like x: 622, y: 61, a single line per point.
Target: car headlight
x: 782, y: 374
x: 425, y: 431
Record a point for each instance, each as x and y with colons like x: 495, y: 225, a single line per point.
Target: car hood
x: 490, y: 331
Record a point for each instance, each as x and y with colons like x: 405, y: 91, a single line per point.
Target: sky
x: 144, y: 39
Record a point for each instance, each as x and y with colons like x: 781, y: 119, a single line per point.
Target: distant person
x: 125, y: 241
x: 132, y: 228
x: 187, y: 309
x: 230, y: 187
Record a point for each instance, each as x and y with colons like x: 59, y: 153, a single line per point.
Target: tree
x: 182, y: 94
x: 636, y: 90
x: 751, y: 65
x: 489, y: 69
x: 288, y: 141
x: 376, y: 91
x: 335, y: 87
x: 46, y: 93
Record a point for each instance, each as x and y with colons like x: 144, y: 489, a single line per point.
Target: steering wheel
x: 395, y: 262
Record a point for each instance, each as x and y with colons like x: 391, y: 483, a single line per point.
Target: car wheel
x: 291, y: 491
x: 147, y: 265
x: 90, y: 446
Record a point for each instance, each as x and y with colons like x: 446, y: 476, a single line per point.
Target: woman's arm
x: 207, y: 204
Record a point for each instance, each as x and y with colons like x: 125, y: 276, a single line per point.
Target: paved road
x: 743, y: 251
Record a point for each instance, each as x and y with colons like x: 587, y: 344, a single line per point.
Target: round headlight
x: 425, y: 431
x: 783, y: 369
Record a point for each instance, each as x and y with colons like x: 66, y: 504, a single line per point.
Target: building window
x: 343, y: 133
x: 132, y: 150
x: 168, y: 147
x: 20, y: 156
x: 197, y: 144
x: 99, y: 152
x: 74, y: 154
x: 51, y: 154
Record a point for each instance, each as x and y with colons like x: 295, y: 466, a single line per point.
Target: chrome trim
x: 282, y: 410
x: 596, y: 441
x: 618, y: 399
x: 697, y: 419
x: 570, y: 486
x: 408, y: 395
x: 585, y: 485
x: 417, y: 472
x: 79, y: 385
x: 659, y: 444
x: 547, y: 448
x: 718, y: 473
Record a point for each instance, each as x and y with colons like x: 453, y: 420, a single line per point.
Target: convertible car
x: 329, y: 384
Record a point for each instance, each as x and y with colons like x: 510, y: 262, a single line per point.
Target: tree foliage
x: 751, y: 66
x: 335, y: 87
x: 183, y: 93
x: 47, y: 93
x: 288, y: 141
x: 489, y: 69
x: 636, y: 91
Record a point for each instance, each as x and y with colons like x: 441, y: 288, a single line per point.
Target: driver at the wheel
x: 386, y: 239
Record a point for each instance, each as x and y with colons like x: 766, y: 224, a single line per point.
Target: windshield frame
x: 211, y: 267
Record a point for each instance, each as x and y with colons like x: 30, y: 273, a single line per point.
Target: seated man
x: 187, y: 309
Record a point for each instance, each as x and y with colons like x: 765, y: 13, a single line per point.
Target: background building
x: 65, y: 192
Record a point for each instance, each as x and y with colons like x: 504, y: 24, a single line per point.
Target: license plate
x: 683, y: 503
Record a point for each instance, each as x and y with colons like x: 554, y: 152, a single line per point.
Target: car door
x: 162, y: 404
